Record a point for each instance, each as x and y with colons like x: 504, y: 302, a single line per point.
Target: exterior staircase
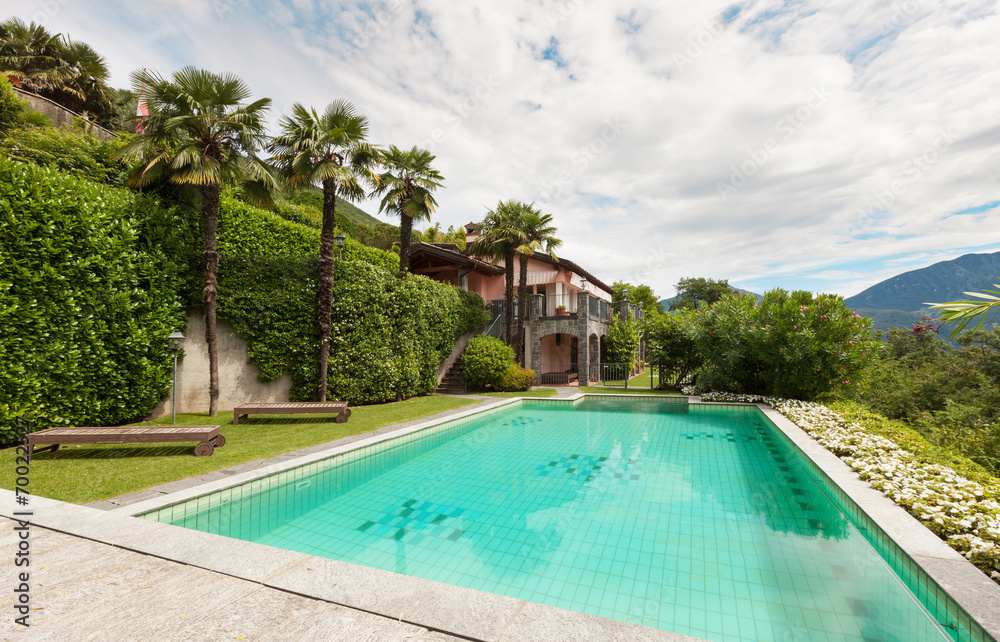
x: 453, y: 382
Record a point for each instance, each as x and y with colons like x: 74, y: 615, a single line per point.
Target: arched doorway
x: 560, y: 359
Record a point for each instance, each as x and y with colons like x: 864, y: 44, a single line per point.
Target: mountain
x: 901, y: 301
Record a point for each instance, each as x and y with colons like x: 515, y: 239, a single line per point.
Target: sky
x: 823, y: 145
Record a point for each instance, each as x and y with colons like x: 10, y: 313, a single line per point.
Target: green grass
x: 627, y: 391
x: 92, y: 472
x: 537, y: 392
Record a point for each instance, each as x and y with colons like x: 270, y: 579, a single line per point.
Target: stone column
x: 583, y: 336
x: 534, y: 357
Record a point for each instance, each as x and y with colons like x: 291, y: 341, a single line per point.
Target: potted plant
x: 561, y: 311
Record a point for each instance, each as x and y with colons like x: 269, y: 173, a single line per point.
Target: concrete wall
x: 237, y: 379
x: 59, y: 115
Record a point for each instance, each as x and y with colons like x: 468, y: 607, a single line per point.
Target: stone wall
x: 237, y: 378
x: 59, y: 115
x: 581, y: 325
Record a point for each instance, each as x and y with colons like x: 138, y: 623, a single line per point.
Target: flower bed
x: 963, y: 513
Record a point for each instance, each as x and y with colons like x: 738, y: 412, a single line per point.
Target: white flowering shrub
x: 964, y: 513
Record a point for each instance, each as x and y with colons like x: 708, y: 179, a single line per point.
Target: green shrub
x: 389, y: 336
x: 791, y: 345
x: 623, y: 342
x: 90, y: 281
x: 11, y: 107
x: 516, y: 379
x: 670, y: 342
x: 75, y: 152
x: 486, y: 361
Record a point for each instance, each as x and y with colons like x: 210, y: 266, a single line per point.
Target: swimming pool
x: 697, y: 520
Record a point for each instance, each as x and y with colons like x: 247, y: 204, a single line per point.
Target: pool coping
x: 455, y: 610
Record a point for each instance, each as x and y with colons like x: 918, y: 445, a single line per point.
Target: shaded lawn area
x: 91, y: 472
x: 537, y: 392
x: 627, y: 391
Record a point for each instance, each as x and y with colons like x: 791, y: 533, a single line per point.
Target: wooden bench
x: 53, y: 437
x: 293, y: 408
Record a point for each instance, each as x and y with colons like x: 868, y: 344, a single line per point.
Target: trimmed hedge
x: 90, y: 286
x: 75, y: 152
x: 516, y: 379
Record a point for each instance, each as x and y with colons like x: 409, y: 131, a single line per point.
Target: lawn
x: 627, y: 391
x: 81, y: 474
x: 537, y: 392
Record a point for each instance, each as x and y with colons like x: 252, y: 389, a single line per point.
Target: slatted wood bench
x: 208, y: 436
x: 293, y: 408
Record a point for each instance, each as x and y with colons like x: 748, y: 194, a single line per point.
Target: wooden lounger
x: 293, y: 408
x: 208, y: 436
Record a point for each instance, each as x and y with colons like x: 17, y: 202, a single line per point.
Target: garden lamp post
x: 339, y: 242
x: 583, y: 283
x: 175, y: 341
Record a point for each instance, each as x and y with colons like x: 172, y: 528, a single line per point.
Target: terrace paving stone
x: 460, y: 611
x: 133, y: 498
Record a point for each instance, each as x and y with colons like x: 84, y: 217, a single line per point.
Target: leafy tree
x: 537, y: 235
x: 331, y: 150
x: 623, y: 341
x: 640, y: 295
x: 500, y: 234
x: 670, y: 343
x: 433, y: 234
x: 201, y: 131
x: 693, y: 292
x: 407, y: 188
x: 791, y: 345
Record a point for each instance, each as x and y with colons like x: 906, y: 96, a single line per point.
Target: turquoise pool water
x: 694, y: 520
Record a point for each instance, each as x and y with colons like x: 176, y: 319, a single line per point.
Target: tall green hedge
x: 90, y: 282
x: 389, y: 336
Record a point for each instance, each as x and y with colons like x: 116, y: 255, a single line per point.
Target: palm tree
x: 331, y: 150
x: 200, y: 131
x: 500, y: 234
x: 86, y: 89
x: 32, y: 56
x: 537, y: 234
x: 407, y: 186
x: 965, y: 311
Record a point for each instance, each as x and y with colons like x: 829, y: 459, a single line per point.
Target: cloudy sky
x: 819, y: 144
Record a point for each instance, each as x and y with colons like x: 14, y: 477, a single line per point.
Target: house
x: 569, y: 309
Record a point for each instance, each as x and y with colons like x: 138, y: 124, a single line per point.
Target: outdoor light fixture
x: 175, y: 341
x: 624, y: 294
x: 583, y: 283
x: 340, y: 241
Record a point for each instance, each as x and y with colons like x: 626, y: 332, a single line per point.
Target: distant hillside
x: 313, y: 197
x: 900, y: 302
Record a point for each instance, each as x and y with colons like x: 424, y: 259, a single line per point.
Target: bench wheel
x: 341, y: 419
x: 218, y: 441
x: 204, y: 449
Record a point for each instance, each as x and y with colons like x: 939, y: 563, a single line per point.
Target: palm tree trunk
x: 522, y: 308
x: 209, y: 228
x: 405, y: 232
x: 508, y: 294
x: 324, y: 301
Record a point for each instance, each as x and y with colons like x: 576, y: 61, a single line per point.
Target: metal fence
x: 557, y: 374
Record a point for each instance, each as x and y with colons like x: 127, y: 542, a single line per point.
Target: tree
x: 331, y: 150
x: 965, y: 311
x: 536, y: 235
x: 623, y: 341
x: 407, y: 188
x: 31, y: 55
x: 500, y: 234
x: 640, y: 295
x: 200, y: 131
x: 433, y: 234
x: 85, y: 90
x: 670, y: 343
x: 691, y: 293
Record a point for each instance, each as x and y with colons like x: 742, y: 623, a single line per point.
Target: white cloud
x: 860, y: 175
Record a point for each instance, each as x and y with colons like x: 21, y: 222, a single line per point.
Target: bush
x: 11, y: 107
x: 75, y: 152
x: 486, y: 361
x: 516, y: 379
x: 670, y: 343
x: 89, y: 290
x: 791, y: 345
x: 623, y: 342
